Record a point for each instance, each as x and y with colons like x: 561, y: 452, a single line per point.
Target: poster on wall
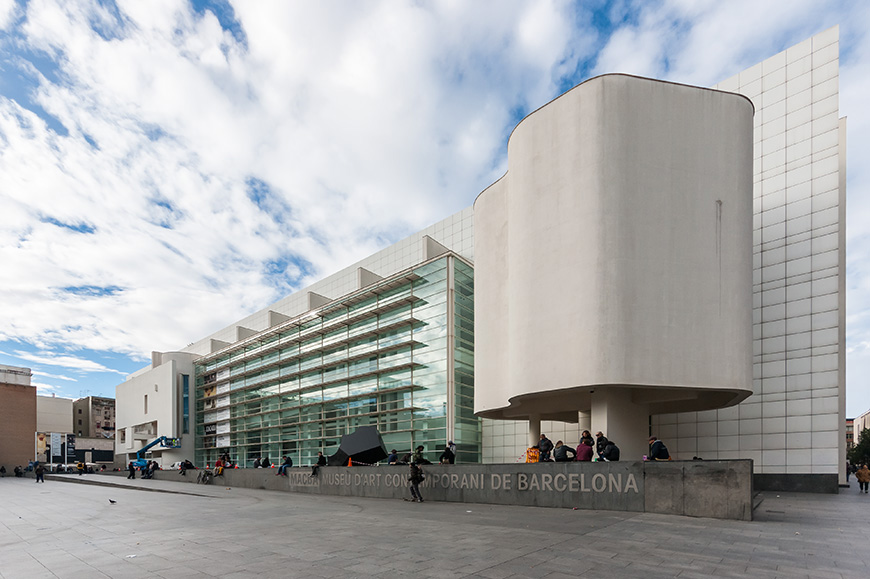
x: 70, y: 447
x: 40, y: 444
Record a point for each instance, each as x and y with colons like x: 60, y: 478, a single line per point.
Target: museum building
x: 630, y: 208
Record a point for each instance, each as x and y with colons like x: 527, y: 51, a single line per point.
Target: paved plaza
x: 68, y: 529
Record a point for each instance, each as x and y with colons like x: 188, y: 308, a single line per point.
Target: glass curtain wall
x: 384, y: 356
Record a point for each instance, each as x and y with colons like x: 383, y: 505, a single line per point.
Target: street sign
x: 70, y: 448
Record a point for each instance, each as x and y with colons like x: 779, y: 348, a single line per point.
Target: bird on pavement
x: 113, y: 502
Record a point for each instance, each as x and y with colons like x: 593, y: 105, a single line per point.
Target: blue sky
x: 168, y: 167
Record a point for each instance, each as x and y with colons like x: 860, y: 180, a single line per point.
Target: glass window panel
x: 363, y: 386
x: 395, y: 358
x: 333, y: 392
x: 310, y: 379
x: 311, y: 396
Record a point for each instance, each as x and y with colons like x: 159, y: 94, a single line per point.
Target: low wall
x: 711, y: 488
x: 799, y: 483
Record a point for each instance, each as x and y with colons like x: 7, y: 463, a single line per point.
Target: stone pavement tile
x: 493, y: 573
x: 435, y: 573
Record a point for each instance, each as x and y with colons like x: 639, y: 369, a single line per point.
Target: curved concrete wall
x: 617, y: 252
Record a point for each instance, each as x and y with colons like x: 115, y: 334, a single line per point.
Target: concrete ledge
x: 799, y: 483
x: 711, y: 488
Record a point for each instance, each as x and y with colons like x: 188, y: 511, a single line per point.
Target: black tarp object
x: 364, y: 445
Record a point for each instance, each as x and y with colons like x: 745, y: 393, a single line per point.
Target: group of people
x: 448, y: 456
x: 606, y: 450
x: 147, y: 471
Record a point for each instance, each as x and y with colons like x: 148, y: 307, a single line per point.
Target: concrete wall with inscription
x: 710, y: 488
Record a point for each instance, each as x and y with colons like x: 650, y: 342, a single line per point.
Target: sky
x: 168, y: 167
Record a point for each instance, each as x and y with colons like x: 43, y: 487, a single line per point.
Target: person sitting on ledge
x: 393, y: 457
x: 657, y: 450
x: 266, y: 463
x: 447, y: 457
x: 321, y: 461
x: 282, y: 470
x: 560, y: 453
x: 585, y: 450
x: 610, y: 452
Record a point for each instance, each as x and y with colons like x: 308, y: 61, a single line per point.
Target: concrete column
x: 621, y: 420
x: 534, y: 429
x: 584, y: 421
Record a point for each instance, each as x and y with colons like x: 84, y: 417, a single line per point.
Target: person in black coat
x: 321, y: 461
x: 447, y: 457
x: 610, y: 452
x: 545, y: 446
x: 414, y: 479
x: 600, y: 442
x: 657, y: 450
x: 132, y: 470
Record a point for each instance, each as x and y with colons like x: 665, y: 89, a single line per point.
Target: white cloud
x: 72, y: 362
x: 365, y: 122
x: 55, y: 376
x: 45, y: 389
x: 7, y: 13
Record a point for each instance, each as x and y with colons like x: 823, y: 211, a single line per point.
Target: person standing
x: 81, y: 468
x: 40, y: 473
x: 600, y: 442
x: 414, y: 480
x: 863, y: 476
x: 848, y: 470
x: 418, y: 456
x: 132, y: 470
x: 657, y: 450
x: 560, y: 452
x: 545, y: 446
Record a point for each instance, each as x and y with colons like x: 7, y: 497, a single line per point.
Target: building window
x: 80, y: 410
x: 185, y: 404
x: 146, y: 404
x: 80, y: 423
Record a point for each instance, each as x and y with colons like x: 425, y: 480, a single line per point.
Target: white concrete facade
x: 794, y: 422
x: 148, y: 405
x: 615, y: 259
